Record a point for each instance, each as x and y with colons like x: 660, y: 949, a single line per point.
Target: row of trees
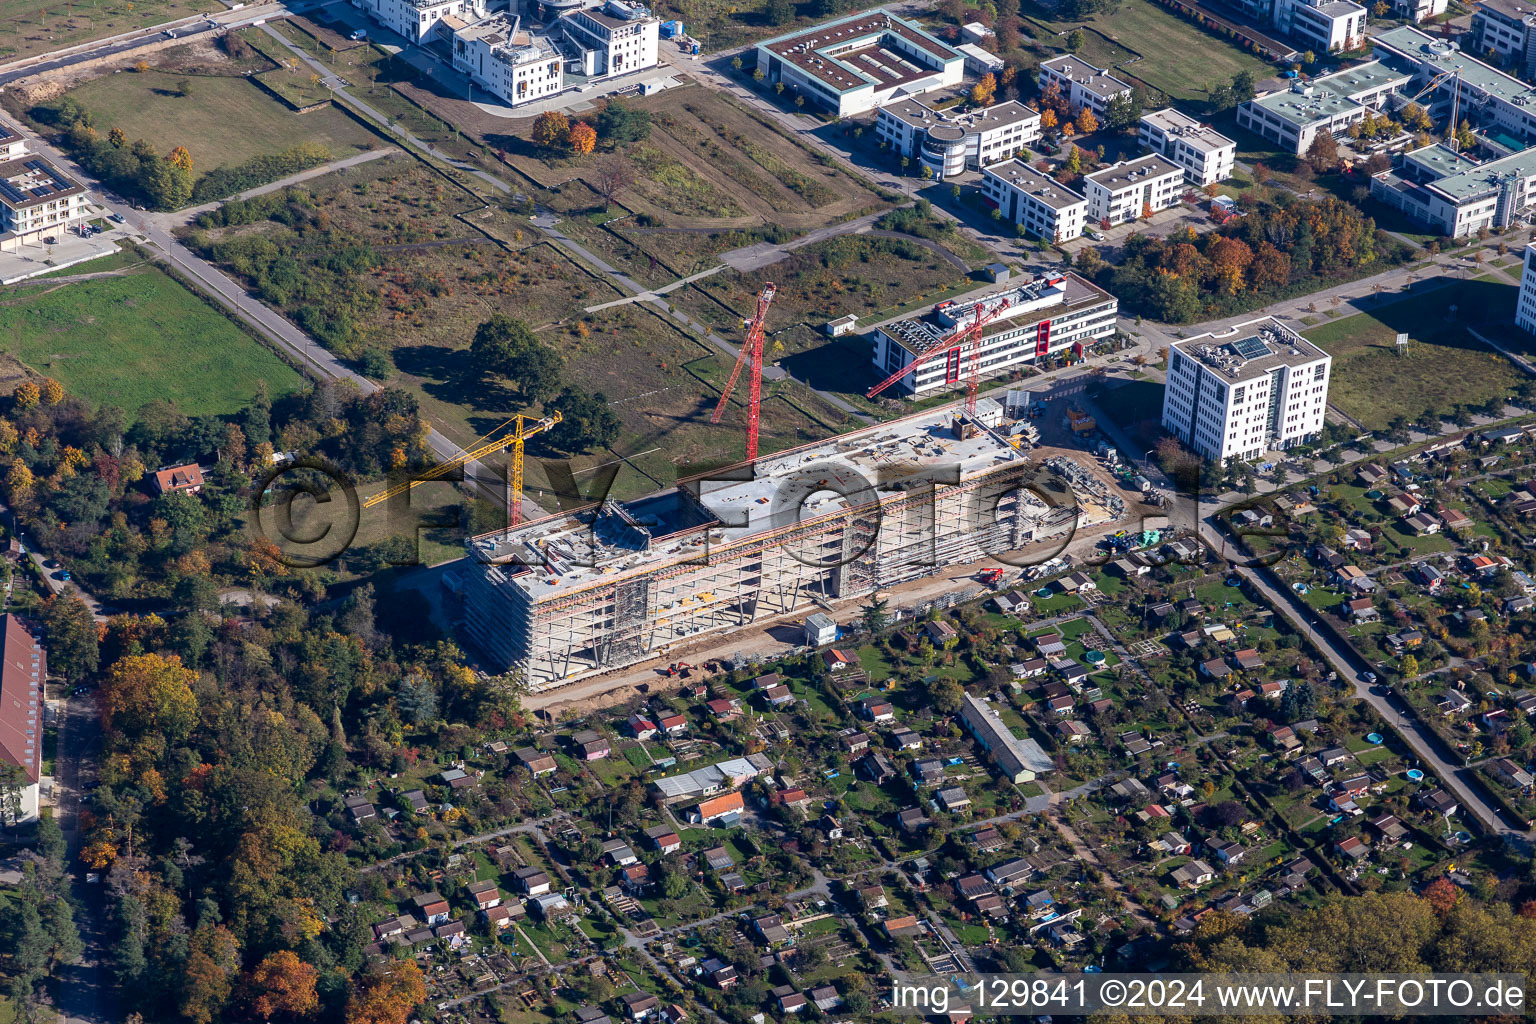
x: 619, y: 124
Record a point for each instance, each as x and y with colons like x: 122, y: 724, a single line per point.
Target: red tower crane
x: 980, y: 317
x: 751, y: 350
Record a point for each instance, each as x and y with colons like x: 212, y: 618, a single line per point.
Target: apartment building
x: 37, y: 203
x: 1041, y: 317
x: 1082, y: 84
x: 1419, y: 10
x: 1046, y: 208
x: 23, y: 668
x: 1525, y: 308
x: 1206, y: 155
x: 1291, y: 118
x: 855, y: 64
x: 1323, y: 26
x: 1502, y: 31
x: 1132, y: 188
x: 949, y: 143
x: 1255, y: 387
x: 416, y: 20
x: 619, y: 38
x: 515, y: 65
x: 1488, y: 97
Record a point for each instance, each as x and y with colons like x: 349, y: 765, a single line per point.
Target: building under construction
x: 620, y: 582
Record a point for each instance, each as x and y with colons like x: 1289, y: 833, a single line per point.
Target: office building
x: 1454, y: 195
x: 1206, y: 155
x: 1082, y: 84
x: 1291, y: 118
x: 1496, y: 102
x: 951, y: 143
x: 38, y: 203
x: 419, y: 20
x: 1046, y: 208
x: 618, y: 38
x: 1322, y: 26
x: 856, y: 64
x: 515, y: 65
x: 1502, y: 32
x: 1043, y: 317
x: 1254, y: 388
x: 1525, y: 308
x: 1131, y: 189
x: 617, y: 583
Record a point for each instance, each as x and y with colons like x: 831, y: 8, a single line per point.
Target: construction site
x: 618, y: 583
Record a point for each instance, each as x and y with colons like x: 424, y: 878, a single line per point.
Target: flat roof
x: 30, y: 180
x: 1128, y: 173
x: 999, y: 115
x: 1439, y: 160
x: 1483, y: 179
x: 1437, y: 55
x: 1028, y: 303
x: 1514, y: 10
x: 1191, y: 131
x: 1044, y: 189
x: 603, y: 544
x: 1094, y: 79
x: 8, y: 131
x: 1250, y: 350
x: 847, y: 53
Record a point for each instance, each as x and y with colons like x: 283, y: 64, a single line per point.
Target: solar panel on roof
x: 42, y: 191
x: 1250, y: 348
x: 11, y: 192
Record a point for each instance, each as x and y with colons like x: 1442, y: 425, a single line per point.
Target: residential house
x: 1404, y: 504
x: 619, y: 853
x: 905, y: 739
x: 723, y: 709
x: 486, y: 894
x: 825, y: 998
x: 954, y: 799
x: 877, y: 709
x: 874, y: 767
x: 1454, y: 703
x: 1439, y: 802
x: 673, y: 724
x: 788, y: 999
x: 1226, y: 851
x: 664, y: 838
x: 926, y: 771
x: 1352, y: 847
x: 1454, y: 518
x: 1072, y: 731
x: 1353, y: 578
x: 640, y: 1005
x: 1508, y: 771
x: 837, y: 659
x: 1050, y: 645
x: 770, y: 928
x: 186, y: 478
x: 1391, y: 830
x: 717, y: 858
x: 854, y: 741
x: 591, y: 745
x: 432, y: 907
x: 1248, y: 660
x: 940, y: 632
x: 1011, y: 872
x: 1193, y: 874
x: 641, y: 727
x: 1422, y: 524
x: 895, y: 927
x: 1360, y: 610
x: 532, y: 881
x: 720, y: 809
x: 537, y: 762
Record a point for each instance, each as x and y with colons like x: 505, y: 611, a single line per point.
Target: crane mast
x: 751, y: 352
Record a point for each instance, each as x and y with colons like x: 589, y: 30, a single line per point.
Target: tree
x: 623, y: 124
x: 282, y: 985
x: 586, y: 421
x: 945, y: 695
x: 207, y: 977
x: 582, y: 138
x: 984, y: 91
x: 117, y: 138
x: 150, y: 694
x: 1122, y: 113
x: 180, y: 157
x: 875, y: 616
x: 50, y: 391
x: 1047, y: 119
x: 387, y: 994
x: 1243, y: 87
x: 498, y: 344
x: 1074, y: 161
x: 613, y: 175
x: 1415, y: 118
x: 72, y: 638
x: 25, y: 394
x: 780, y: 12
x: 1076, y: 40
x: 1086, y: 122
x: 1323, y: 154
x: 550, y: 129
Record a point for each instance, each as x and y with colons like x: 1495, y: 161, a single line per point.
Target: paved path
x: 175, y: 218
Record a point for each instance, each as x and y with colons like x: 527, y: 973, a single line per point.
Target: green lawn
x: 1444, y: 366
x: 141, y: 336
x: 1166, y: 43
x: 224, y: 122
x: 42, y: 26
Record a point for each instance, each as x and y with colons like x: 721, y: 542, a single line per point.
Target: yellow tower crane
x: 515, y: 441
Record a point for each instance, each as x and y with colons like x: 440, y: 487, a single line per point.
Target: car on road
x: 1368, y: 676
x: 116, y: 218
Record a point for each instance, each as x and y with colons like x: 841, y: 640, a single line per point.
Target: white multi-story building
x: 37, y: 203
x: 1043, y: 317
x: 858, y: 63
x: 1291, y: 118
x: 1044, y: 206
x: 1421, y: 10
x: 1503, y: 31
x: 948, y: 143
x: 1132, y: 188
x: 1525, y: 309
x: 513, y: 64
x: 617, y: 39
x: 1082, y: 84
x: 13, y: 146
x: 1206, y: 155
x: 1325, y: 26
x: 416, y: 20
x: 1457, y: 196
x: 1253, y: 388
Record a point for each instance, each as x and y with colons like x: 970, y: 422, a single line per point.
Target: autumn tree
x: 1230, y: 258
x: 1323, y: 154
x: 984, y: 91
x: 281, y: 985
x: 73, y: 643
x: 550, y: 129
x: 150, y: 693
x: 387, y: 995
x: 1086, y: 122
x: 582, y: 138
x: 50, y: 391
x: 207, y: 977
x: 1047, y: 119
x: 181, y: 158
x: 25, y: 394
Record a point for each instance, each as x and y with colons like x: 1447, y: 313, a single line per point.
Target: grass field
x: 132, y: 339
x: 40, y: 26
x: 1165, y: 43
x: 1444, y: 366
x: 224, y: 122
